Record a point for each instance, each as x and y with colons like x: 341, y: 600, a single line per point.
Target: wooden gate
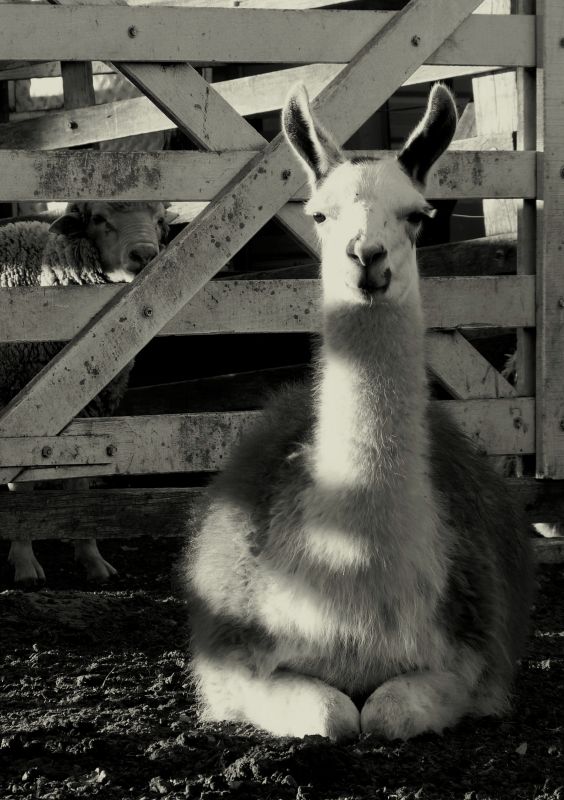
x: 354, y: 61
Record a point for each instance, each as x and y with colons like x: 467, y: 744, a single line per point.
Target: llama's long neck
x: 372, y: 396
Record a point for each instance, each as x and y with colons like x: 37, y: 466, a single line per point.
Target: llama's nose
x: 365, y: 254
x: 140, y: 255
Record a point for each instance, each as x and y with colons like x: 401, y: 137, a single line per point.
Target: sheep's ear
x: 432, y: 136
x: 72, y: 221
x: 311, y: 142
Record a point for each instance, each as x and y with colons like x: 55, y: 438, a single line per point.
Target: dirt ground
x: 95, y: 703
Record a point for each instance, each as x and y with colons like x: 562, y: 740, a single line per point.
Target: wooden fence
x: 237, y: 181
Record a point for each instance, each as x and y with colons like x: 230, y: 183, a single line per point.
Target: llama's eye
x: 415, y: 218
x: 319, y: 217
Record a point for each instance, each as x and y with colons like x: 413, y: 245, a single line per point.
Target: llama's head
x: 369, y: 211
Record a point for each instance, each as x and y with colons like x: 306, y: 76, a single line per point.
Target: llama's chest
x: 351, y: 630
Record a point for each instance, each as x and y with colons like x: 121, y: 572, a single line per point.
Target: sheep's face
x: 127, y: 235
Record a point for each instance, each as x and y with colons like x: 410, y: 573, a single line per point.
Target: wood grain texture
x: 201, y: 442
x: 462, y: 370
x: 132, y: 513
x: 262, y: 306
x: 208, y: 35
x: 196, y: 176
x: 141, y: 309
x: 550, y: 274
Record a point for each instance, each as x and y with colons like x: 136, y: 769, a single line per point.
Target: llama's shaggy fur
x: 358, y: 565
x: 84, y: 247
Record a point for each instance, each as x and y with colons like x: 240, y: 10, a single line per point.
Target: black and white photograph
x: 282, y: 399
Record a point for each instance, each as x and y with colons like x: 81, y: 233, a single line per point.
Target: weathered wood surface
x: 191, y: 175
x: 132, y: 513
x: 254, y: 306
x: 462, y: 370
x: 248, y: 96
x: 54, y: 450
x: 46, y: 69
x: 202, y: 442
x: 208, y: 35
x: 141, y: 309
x: 550, y: 272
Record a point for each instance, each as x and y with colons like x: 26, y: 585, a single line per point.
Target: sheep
x: 358, y: 566
x: 91, y: 243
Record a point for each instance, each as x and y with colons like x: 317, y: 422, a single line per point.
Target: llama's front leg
x: 284, y: 703
x: 415, y: 703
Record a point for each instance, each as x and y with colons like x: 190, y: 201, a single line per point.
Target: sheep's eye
x: 160, y: 221
x: 98, y: 219
x: 319, y: 217
x: 415, y: 218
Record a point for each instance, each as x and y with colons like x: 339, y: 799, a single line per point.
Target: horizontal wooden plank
x: 254, y: 306
x: 260, y: 94
x: 248, y: 96
x: 211, y: 35
x: 160, y: 513
x: 197, y: 176
x: 47, y: 450
x: 201, y: 442
x: 46, y: 69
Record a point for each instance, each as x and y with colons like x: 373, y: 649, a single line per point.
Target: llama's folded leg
x: 284, y: 703
x: 97, y: 568
x: 415, y: 703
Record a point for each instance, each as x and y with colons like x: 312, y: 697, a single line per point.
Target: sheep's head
x: 127, y: 235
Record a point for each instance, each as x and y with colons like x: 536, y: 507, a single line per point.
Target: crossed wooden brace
x: 260, y: 190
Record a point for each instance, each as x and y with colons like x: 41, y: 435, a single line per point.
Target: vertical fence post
x: 550, y: 272
x: 527, y: 216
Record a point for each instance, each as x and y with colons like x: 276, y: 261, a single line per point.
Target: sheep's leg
x: 27, y: 569
x: 97, y: 568
x: 284, y: 703
x: 86, y: 551
x: 415, y: 703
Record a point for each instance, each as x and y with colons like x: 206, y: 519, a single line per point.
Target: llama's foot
x: 285, y: 704
x: 415, y: 703
x: 97, y: 568
x: 550, y: 531
x: 28, y: 572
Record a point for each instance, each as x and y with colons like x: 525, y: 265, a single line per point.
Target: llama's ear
x: 311, y: 142
x: 432, y: 136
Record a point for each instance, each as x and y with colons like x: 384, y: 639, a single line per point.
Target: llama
x: 359, y: 567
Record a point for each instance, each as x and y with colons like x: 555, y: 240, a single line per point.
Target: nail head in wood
x: 562, y: 172
x: 147, y: 311
x: 132, y: 31
x: 111, y: 450
x: 415, y: 40
x: 562, y: 424
x: 47, y: 451
x: 562, y: 42
x: 561, y: 302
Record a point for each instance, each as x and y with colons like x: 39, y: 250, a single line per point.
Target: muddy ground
x: 95, y: 703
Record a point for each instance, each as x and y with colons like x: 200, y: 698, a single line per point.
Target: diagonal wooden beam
x: 261, y: 188
x: 462, y: 370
